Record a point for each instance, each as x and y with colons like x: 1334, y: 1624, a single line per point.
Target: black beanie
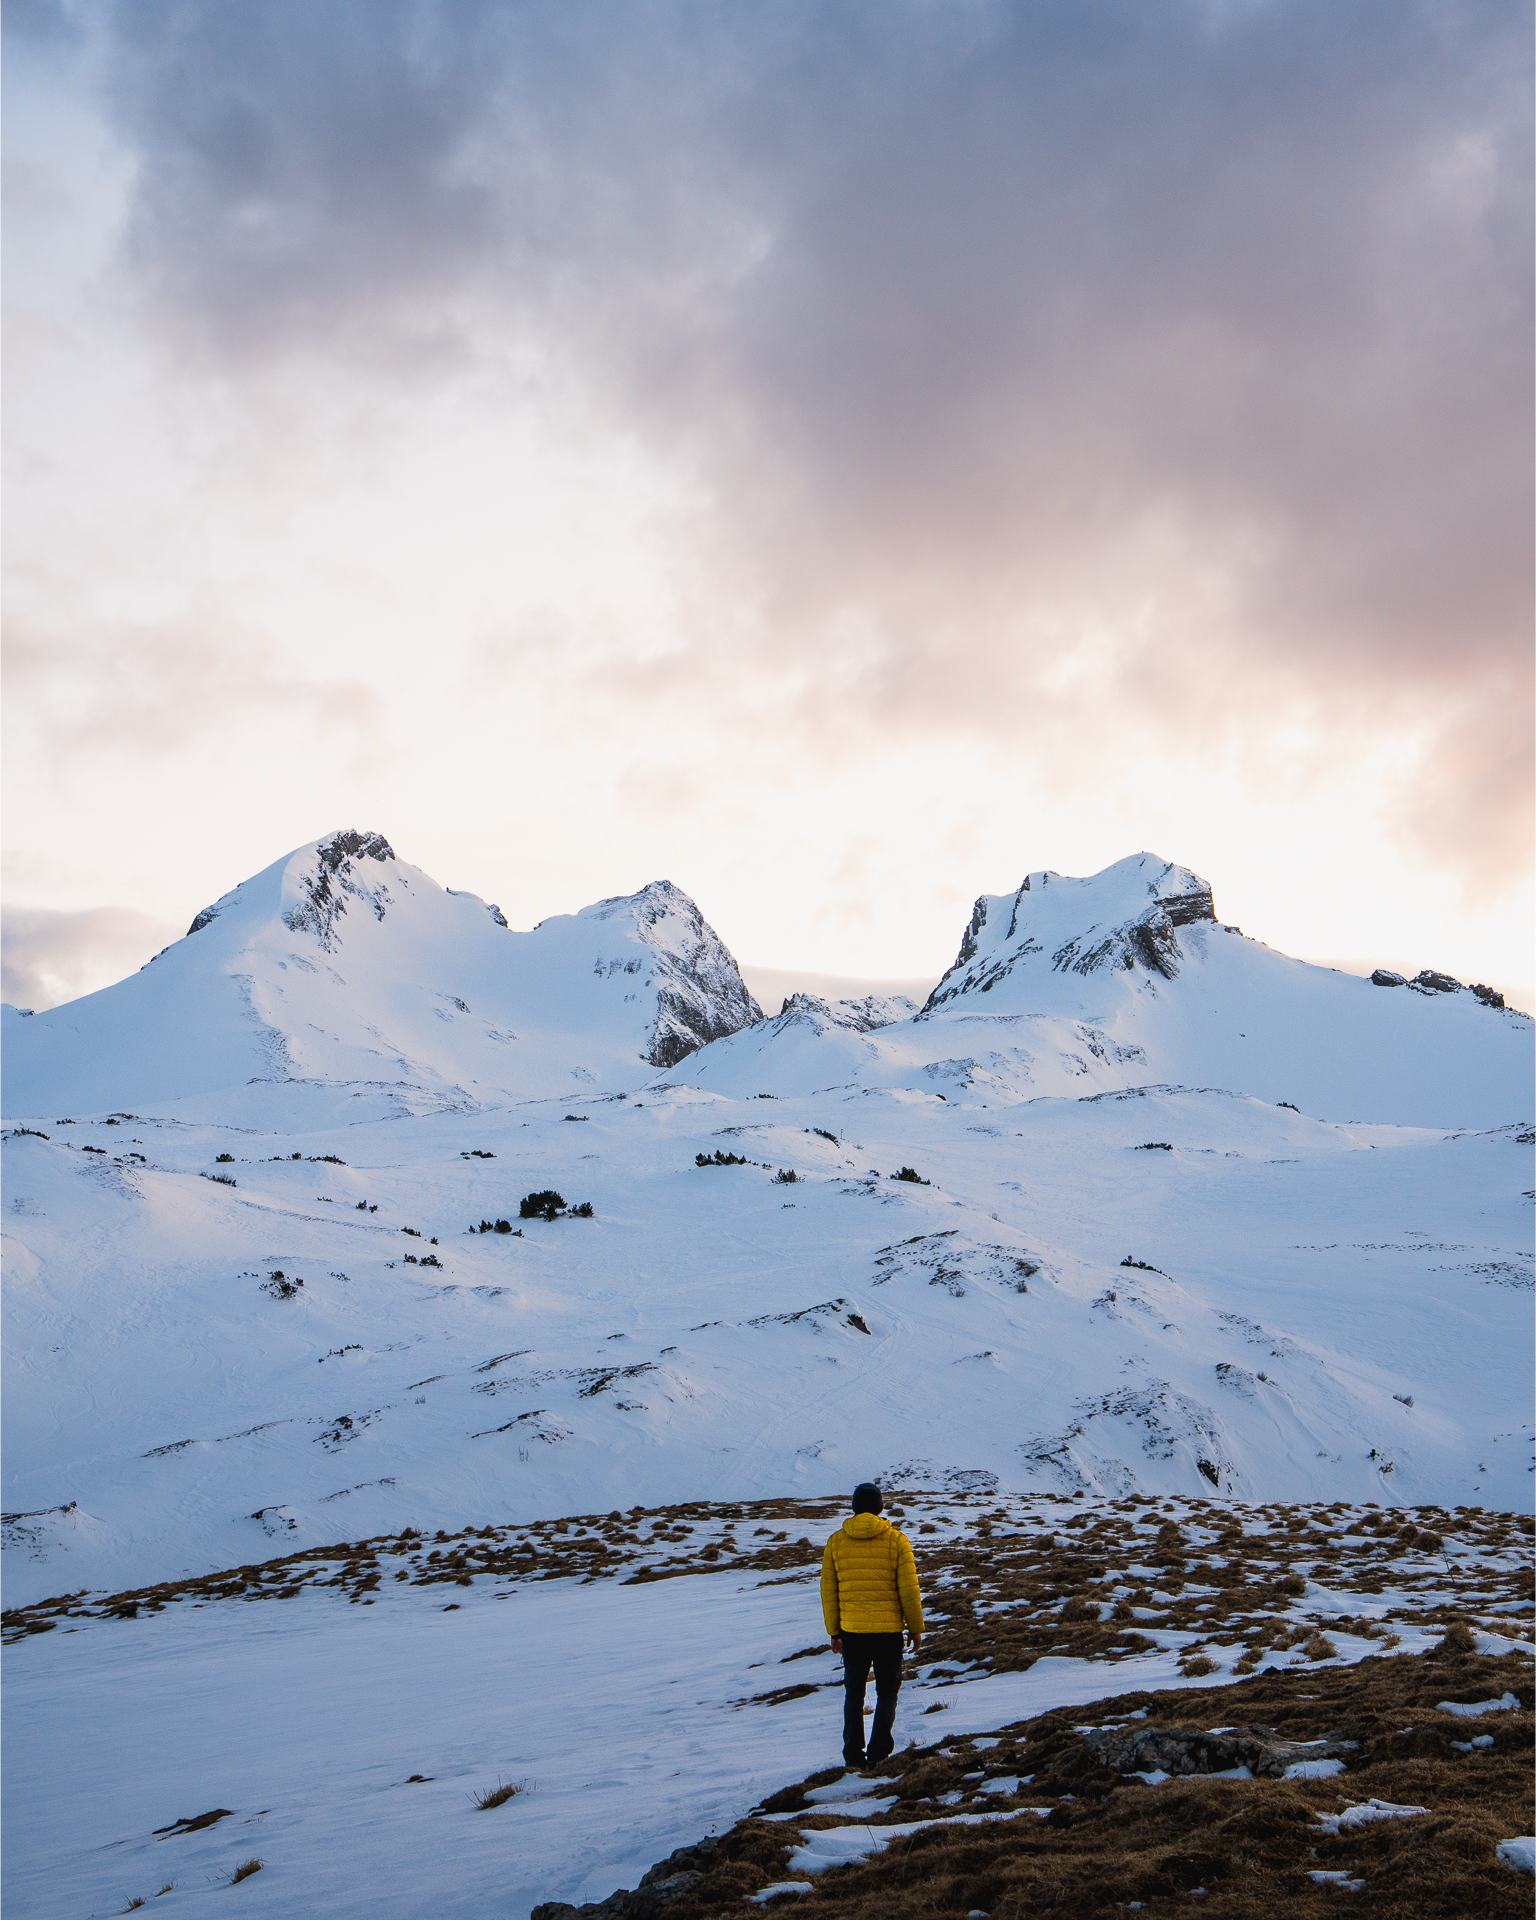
x: 867, y: 1497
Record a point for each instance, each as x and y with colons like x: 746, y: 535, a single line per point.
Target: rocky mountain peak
x: 700, y: 994
x: 864, y: 1015
x: 334, y: 878
x: 1125, y: 917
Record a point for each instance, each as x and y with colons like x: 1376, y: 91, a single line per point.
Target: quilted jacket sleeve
x: 906, y: 1585
x: 829, y: 1593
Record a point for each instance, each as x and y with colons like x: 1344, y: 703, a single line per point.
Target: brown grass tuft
x: 1458, y: 1642
x: 499, y: 1795
x: 244, y: 1871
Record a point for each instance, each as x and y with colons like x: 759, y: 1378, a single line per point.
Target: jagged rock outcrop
x: 700, y: 993
x: 1127, y: 916
x: 867, y: 1015
x: 335, y: 880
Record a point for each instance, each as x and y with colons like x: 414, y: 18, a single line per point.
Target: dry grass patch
x: 244, y: 1871
x: 1245, y: 1848
x: 499, y: 1795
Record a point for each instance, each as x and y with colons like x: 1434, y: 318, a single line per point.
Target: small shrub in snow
x: 582, y: 1212
x: 1320, y: 1647
x: 280, y: 1286
x: 1155, y: 1146
x: 222, y: 1159
x: 244, y: 1871
x: 822, y: 1132
x: 219, y: 1179
x: 911, y: 1175
x: 785, y: 1177
x: 1196, y: 1667
x: 719, y: 1159
x: 578, y: 1117
x: 540, y: 1206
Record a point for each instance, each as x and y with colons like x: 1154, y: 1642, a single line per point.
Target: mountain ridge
x: 341, y: 965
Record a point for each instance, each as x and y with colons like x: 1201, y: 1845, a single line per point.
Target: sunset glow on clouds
x: 838, y: 457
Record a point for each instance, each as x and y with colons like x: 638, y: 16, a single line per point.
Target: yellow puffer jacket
x: 869, y: 1579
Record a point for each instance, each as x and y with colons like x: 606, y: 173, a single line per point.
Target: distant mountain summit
x: 343, y: 968
x: 1126, y: 917
x: 342, y: 964
x: 700, y: 994
x: 1127, y: 980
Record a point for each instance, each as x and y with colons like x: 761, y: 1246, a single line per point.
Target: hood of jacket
x: 864, y: 1526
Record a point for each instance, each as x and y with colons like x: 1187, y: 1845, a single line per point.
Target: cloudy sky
x: 838, y: 455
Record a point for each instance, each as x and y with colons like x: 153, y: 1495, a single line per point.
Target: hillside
x: 1071, y: 987
x: 342, y: 965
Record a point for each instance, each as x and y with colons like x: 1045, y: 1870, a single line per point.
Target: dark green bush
x: 540, y: 1206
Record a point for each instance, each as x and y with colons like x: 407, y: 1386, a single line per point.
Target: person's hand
x: 914, y: 1640
x: 837, y: 1643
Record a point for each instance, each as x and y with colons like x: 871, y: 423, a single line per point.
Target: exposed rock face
x: 1428, y: 981
x: 859, y: 1016
x: 701, y: 995
x: 1129, y: 917
x: 335, y: 880
x: 1385, y: 977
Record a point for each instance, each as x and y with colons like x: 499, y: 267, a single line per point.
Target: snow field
x: 1299, y: 1285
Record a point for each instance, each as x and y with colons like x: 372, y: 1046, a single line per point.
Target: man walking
x: 868, y: 1589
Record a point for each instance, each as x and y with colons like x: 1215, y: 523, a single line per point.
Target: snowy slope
x: 1051, y: 1239
x: 343, y: 1070
x: 718, y: 1332
x: 1127, y: 979
x: 342, y: 964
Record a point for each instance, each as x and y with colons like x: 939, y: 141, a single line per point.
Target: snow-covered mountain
x: 1133, y: 1202
x: 1128, y: 979
x: 341, y: 964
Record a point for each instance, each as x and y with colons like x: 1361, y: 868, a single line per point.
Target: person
x: 868, y: 1592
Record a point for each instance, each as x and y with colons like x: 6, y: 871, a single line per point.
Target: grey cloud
x: 50, y: 956
x: 988, y: 325
x: 157, y: 685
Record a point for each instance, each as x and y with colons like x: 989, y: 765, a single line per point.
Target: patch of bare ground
x: 1105, y: 1841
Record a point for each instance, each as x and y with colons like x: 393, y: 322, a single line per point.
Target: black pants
x: 861, y: 1651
